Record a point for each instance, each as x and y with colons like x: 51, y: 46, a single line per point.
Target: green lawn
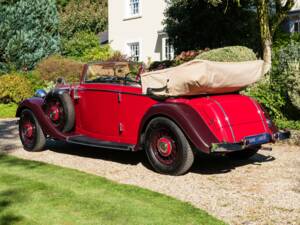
x: 36, y: 193
x: 8, y: 110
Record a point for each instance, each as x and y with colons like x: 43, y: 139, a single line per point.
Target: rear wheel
x: 167, y: 148
x: 31, y: 134
x: 244, y: 154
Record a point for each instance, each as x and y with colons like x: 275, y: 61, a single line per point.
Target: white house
x: 293, y: 21
x: 136, y: 29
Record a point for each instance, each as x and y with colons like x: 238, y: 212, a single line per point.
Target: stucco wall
x: 144, y: 29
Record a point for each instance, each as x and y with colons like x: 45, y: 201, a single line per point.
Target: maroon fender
x: 186, y: 118
x: 35, y: 105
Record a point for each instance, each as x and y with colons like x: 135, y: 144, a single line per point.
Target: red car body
x: 117, y: 115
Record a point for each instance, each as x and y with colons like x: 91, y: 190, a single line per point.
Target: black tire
x: 66, y: 111
x: 167, y: 148
x: 29, y: 124
x: 244, y: 154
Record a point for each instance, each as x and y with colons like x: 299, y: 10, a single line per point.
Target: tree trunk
x: 265, y: 32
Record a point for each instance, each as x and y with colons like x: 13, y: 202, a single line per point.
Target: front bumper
x: 250, y: 142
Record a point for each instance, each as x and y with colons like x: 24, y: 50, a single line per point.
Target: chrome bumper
x: 249, y: 142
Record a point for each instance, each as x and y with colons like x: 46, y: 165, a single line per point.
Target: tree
x: 28, y: 32
x: 271, y: 14
x: 83, y: 15
x: 196, y: 24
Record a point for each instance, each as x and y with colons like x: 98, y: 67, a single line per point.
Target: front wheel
x: 167, y: 148
x: 30, y: 131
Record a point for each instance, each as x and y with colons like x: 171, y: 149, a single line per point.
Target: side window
x: 168, y: 50
x: 134, y: 6
x: 134, y: 51
x: 297, y: 26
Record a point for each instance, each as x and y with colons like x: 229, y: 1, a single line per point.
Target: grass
x: 37, y: 193
x: 8, y: 110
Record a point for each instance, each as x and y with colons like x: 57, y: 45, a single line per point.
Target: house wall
x: 294, y: 16
x: 143, y: 29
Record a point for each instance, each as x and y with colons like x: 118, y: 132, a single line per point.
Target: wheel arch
x: 186, y: 118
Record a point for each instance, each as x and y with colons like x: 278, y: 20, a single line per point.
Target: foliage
x: 57, y: 66
x: 83, y: 15
x: 289, y: 71
x: 35, y: 80
x: 80, y: 198
x: 79, y: 43
x: 187, y: 56
x: 14, y: 88
x: 99, y: 53
x: 85, y: 46
x: 160, y: 65
x: 288, y: 124
x: 196, y: 24
x: 229, y: 54
x: 269, y: 95
x: 8, y: 110
x: 28, y: 32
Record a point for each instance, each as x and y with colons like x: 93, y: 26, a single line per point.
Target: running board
x: 92, y: 142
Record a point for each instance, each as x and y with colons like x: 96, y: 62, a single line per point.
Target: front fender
x: 35, y: 105
x: 189, y: 121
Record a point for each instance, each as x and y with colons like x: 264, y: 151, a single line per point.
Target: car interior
x: 123, y: 73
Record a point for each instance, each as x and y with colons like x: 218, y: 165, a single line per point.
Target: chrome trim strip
x: 226, y: 118
x: 259, y: 112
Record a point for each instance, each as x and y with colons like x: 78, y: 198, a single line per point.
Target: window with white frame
x: 134, y: 51
x: 134, y: 7
x: 168, y: 50
x: 297, y: 26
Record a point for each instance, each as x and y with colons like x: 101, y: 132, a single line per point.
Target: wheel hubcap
x: 28, y: 130
x: 164, y: 146
x: 54, y: 113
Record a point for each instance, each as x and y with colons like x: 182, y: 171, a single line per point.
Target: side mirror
x: 60, y: 81
x: 40, y: 93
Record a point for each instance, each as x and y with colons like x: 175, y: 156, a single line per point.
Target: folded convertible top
x: 202, y: 77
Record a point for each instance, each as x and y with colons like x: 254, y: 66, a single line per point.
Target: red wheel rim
x: 163, y: 145
x: 55, y: 113
x: 27, y: 130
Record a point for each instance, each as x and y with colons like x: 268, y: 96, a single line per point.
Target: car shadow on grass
x: 204, y: 164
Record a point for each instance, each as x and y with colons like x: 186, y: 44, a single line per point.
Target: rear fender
x: 189, y: 121
x: 35, y: 105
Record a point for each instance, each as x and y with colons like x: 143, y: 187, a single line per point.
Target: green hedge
x: 14, y: 88
x: 229, y: 54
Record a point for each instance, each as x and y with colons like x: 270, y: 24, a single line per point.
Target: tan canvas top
x: 202, y: 77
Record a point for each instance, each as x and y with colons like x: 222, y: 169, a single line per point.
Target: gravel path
x: 262, y: 190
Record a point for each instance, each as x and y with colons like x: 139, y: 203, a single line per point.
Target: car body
x: 113, y: 113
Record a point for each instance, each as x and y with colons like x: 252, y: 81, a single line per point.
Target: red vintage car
x: 111, y: 112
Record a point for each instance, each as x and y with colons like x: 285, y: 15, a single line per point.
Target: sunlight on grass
x: 8, y: 110
x: 37, y: 193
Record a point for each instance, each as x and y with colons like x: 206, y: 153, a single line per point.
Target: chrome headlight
x: 40, y: 93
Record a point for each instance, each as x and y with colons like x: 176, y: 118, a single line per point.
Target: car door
x: 98, y: 107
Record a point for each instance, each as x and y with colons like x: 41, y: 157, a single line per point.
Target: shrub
x: 267, y: 94
x: 99, y: 53
x: 57, y: 66
x: 79, y: 43
x: 83, y: 15
x: 28, y: 32
x: 229, y: 54
x: 14, y: 88
x: 289, y: 71
x: 160, y: 65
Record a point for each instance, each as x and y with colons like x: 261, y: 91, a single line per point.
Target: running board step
x: 88, y: 141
